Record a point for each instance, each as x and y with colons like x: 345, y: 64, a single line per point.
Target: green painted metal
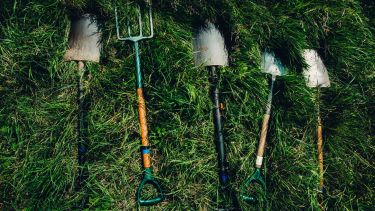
x: 257, y: 178
x: 149, y: 179
x: 138, y: 65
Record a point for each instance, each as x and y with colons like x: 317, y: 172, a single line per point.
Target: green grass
x: 38, y: 164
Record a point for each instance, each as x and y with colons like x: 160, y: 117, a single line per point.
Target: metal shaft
x: 81, y: 127
x: 223, y: 168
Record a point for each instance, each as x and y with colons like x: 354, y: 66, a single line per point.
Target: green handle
x: 149, y: 179
x: 256, y: 178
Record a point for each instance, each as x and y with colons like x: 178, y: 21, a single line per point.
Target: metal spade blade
x: 209, y: 47
x: 316, y: 75
x: 272, y: 65
x: 84, y: 40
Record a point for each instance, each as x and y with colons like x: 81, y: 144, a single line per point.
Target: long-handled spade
x: 84, y: 46
x: 273, y: 66
x: 210, y: 51
x: 316, y: 76
x: 148, y: 178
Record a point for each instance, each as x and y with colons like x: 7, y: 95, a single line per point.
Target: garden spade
x: 316, y: 76
x: 84, y: 46
x: 145, y: 151
x: 210, y: 51
x: 270, y: 65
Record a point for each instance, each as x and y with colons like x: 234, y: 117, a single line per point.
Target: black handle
x: 215, y: 94
x: 82, y: 126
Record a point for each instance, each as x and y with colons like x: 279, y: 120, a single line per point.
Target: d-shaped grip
x: 148, y: 179
x: 256, y: 178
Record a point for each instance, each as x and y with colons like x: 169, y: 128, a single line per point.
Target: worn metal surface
x: 84, y: 40
x: 209, y: 47
x: 316, y: 73
x: 272, y: 65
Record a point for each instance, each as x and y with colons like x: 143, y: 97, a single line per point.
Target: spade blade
x: 209, y: 47
x: 84, y: 40
x: 316, y: 74
x: 272, y: 65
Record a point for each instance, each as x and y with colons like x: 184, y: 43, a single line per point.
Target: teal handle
x: 149, y: 179
x: 256, y: 178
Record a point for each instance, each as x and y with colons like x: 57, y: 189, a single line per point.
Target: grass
x: 38, y: 166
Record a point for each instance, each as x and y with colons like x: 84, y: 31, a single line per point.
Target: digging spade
x: 84, y: 46
x: 273, y: 66
x: 316, y: 76
x: 210, y: 51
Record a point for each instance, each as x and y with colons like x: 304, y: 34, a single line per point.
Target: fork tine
x: 117, y: 25
x: 129, y: 30
x: 140, y: 22
x: 151, y: 23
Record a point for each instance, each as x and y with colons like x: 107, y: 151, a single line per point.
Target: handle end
x: 256, y: 178
x: 148, y: 179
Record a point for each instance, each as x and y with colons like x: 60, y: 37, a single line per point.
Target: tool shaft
x: 142, y: 110
x: 218, y: 126
x: 263, y: 136
x: 319, y: 135
x: 138, y: 65
x: 81, y: 128
x: 320, y: 153
x: 81, y: 146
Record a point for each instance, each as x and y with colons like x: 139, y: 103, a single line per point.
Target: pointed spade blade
x: 84, y: 40
x: 316, y: 74
x: 209, y: 47
x: 271, y: 64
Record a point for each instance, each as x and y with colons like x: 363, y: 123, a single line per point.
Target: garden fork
x: 148, y: 177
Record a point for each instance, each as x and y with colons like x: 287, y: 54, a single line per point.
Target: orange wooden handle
x: 262, y: 141
x: 143, y: 126
x: 146, y: 160
x: 320, y: 154
x: 142, y: 117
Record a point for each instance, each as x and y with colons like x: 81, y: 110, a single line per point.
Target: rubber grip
x: 149, y: 179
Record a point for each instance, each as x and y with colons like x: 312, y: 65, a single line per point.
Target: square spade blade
x: 272, y: 65
x: 84, y: 40
x: 316, y: 74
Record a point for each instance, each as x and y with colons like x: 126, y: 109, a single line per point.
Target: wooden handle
x: 143, y: 127
x: 320, y: 153
x: 80, y: 65
x: 262, y: 141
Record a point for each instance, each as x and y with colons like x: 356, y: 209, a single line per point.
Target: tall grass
x: 38, y: 158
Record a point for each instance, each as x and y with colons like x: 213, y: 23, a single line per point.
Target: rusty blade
x: 84, y: 40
